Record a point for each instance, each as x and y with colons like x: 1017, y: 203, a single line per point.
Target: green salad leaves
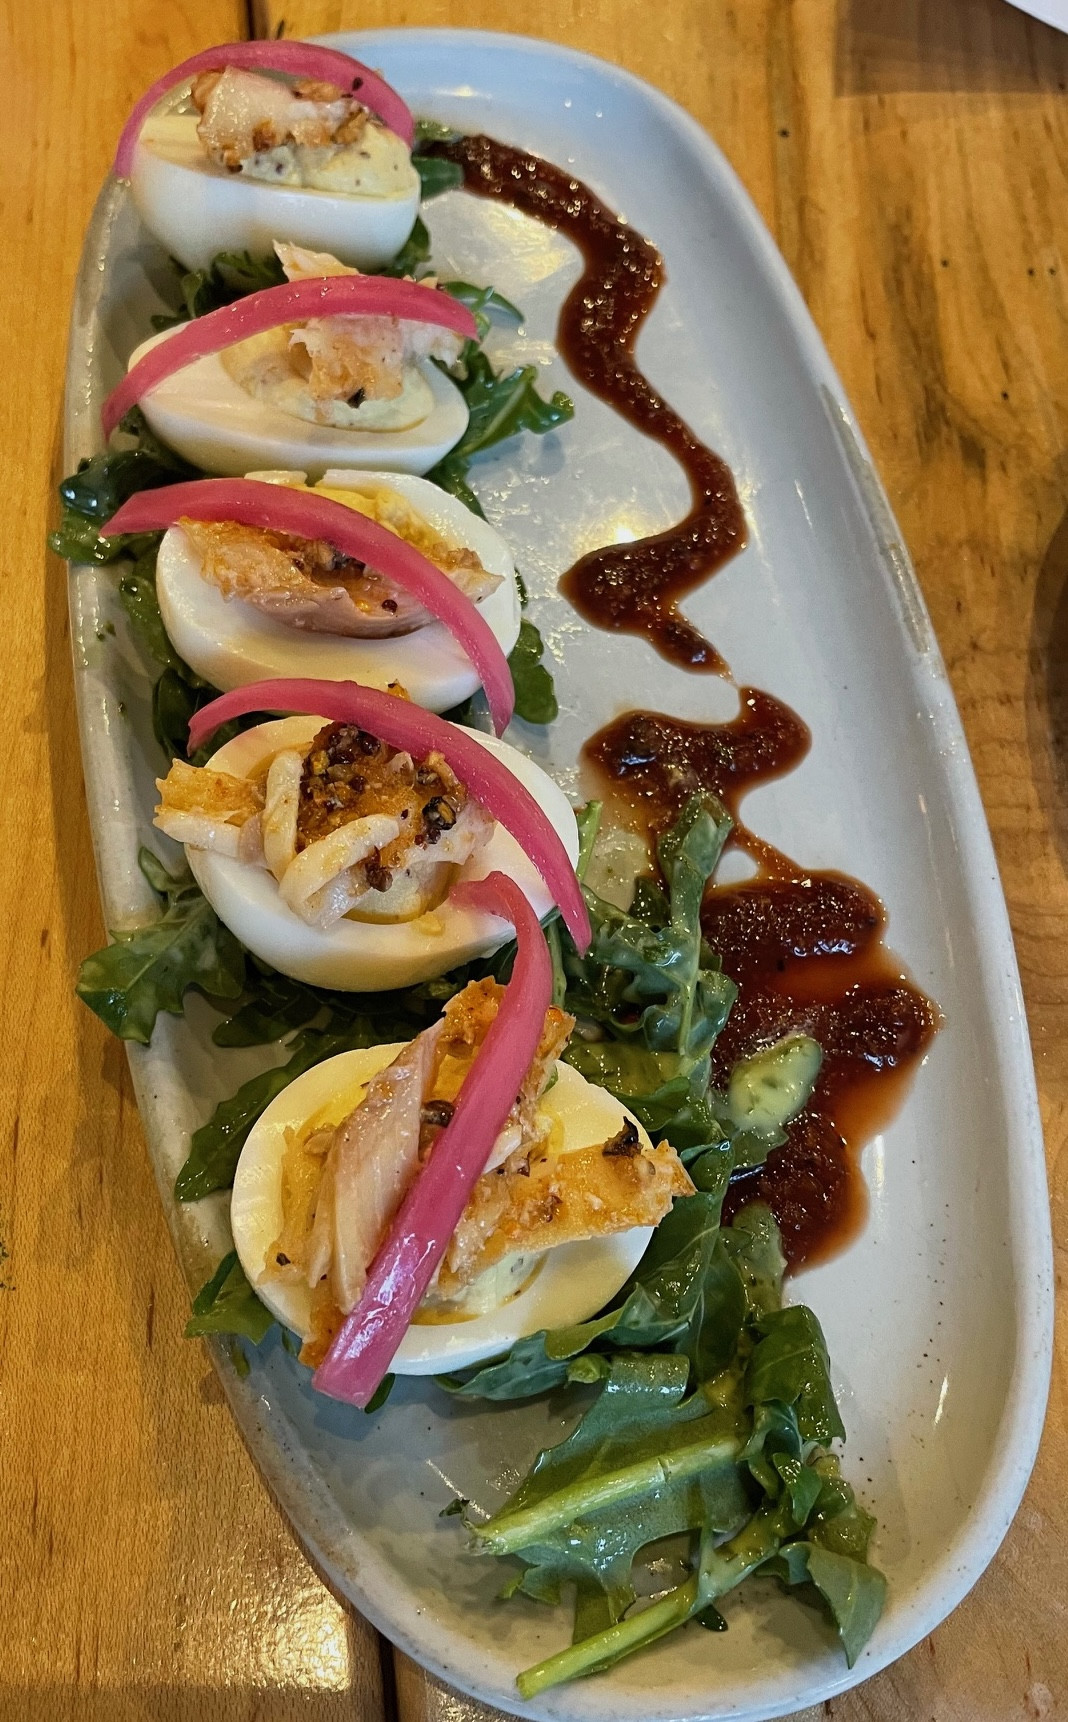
x: 150, y: 969
x: 228, y: 1304
x: 500, y: 405
x: 710, y: 1427
x: 715, y: 1407
x: 656, y: 997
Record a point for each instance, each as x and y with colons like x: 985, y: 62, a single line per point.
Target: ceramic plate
x: 939, y: 1316
x: 1053, y: 12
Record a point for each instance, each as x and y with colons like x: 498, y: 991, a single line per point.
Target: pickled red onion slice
x: 415, y: 731
x: 423, y: 1225
x: 299, y: 60
x: 292, y: 302
x: 284, y: 508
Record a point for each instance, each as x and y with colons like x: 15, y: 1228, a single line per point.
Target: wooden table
x: 911, y: 157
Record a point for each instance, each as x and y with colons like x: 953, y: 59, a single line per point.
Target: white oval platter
x: 939, y: 1316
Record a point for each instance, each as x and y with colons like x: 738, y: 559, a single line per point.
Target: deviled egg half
x: 237, y: 157
x: 242, y: 604
x: 557, y: 1222
x: 331, y: 855
x: 334, y: 391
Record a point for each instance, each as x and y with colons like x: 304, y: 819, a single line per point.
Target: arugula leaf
x: 215, y: 1148
x: 77, y: 539
x: 535, y: 696
x: 853, y: 1591
x: 526, y: 1371
x: 756, y: 1250
x: 499, y: 406
x: 229, y: 276
x: 150, y: 969
x: 276, y: 1007
x: 380, y: 1394
x: 228, y: 1304
x: 720, y: 1569
x: 839, y: 1523
x: 436, y: 175
x: 657, y: 988
x: 101, y: 485
x: 482, y: 302
x: 790, y: 1364
x: 137, y: 590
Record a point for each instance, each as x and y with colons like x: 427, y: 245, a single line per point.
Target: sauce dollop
x: 807, y: 952
x: 635, y: 587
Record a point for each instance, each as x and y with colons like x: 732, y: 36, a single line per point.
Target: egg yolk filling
x: 348, y: 826
x: 350, y: 372
x: 308, y: 584
x: 309, y: 134
x: 342, y: 1184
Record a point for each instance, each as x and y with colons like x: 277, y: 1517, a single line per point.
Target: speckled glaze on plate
x: 939, y: 1317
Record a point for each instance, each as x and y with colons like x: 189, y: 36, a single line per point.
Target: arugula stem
x: 588, y: 829
x: 719, y: 1570
x: 508, y: 1532
x: 590, y: 1655
x: 726, y: 1566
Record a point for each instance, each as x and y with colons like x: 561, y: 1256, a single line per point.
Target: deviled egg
x: 335, y: 390
x: 241, y: 604
x: 554, y: 1226
x: 331, y: 855
x: 237, y: 157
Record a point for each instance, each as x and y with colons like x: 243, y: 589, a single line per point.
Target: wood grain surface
x: 911, y: 158
x: 145, y: 1575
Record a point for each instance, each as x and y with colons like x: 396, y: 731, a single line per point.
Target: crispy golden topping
x: 467, y: 1020
x: 218, y: 794
x: 308, y: 584
x: 349, y: 773
x: 244, y: 114
x: 557, y: 1199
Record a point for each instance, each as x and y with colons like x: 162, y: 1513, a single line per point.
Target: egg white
x: 209, y: 419
x: 571, y: 1284
x: 230, y: 642
x: 364, y: 956
x: 197, y: 209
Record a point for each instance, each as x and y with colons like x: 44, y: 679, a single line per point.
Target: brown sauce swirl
x: 807, y: 952
x: 806, y: 949
x: 635, y: 587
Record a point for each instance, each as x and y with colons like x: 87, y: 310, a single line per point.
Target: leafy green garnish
x: 436, y: 175
x: 535, y: 696
x: 380, y: 1394
x: 715, y: 1405
x: 137, y: 589
x: 216, y: 1147
x: 230, y: 275
x: 482, y: 302
x: 101, y: 485
x: 499, y: 405
x: 676, y: 1445
x: 677, y: 1442
x: 335, y: 1022
x: 790, y: 1366
x: 150, y: 969
x: 228, y: 1304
